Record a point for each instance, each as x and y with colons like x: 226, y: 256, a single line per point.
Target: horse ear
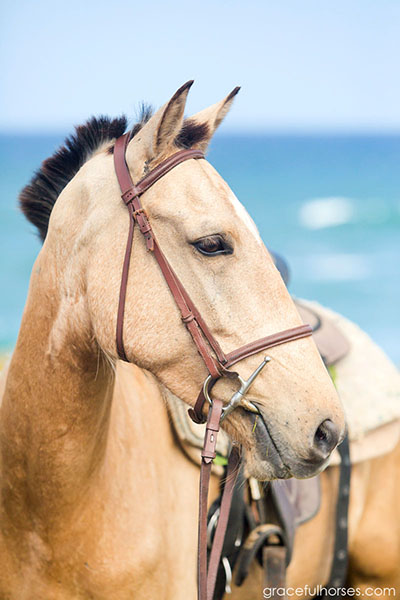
x: 209, y: 119
x: 159, y: 133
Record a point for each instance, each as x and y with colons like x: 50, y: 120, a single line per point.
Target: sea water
x: 329, y: 204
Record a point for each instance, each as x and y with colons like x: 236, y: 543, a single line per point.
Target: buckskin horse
x: 97, y: 499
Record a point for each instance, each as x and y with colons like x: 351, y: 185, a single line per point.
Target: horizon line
x: 232, y: 131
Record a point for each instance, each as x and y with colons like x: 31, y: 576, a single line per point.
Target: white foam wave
x: 326, y: 212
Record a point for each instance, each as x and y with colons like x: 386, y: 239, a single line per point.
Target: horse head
x: 216, y: 250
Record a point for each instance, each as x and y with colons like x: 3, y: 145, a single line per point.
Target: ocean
x: 329, y: 204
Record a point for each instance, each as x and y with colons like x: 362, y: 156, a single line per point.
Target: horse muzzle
x: 271, y: 456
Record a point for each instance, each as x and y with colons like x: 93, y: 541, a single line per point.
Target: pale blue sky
x: 302, y: 64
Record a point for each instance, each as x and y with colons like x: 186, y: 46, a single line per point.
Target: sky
x: 308, y: 65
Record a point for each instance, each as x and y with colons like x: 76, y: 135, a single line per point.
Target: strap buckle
x: 142, y: 220
x: 238, y: 398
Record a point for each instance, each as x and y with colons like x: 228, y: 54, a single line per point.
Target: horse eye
x: 212, y: 245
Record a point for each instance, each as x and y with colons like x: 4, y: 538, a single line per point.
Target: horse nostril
x: 326, y: 438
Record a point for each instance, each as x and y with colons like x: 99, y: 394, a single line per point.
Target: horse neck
x: 56, y: 404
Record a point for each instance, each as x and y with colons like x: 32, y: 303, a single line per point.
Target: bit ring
x: 238, y: 398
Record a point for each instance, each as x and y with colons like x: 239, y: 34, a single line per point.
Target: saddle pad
x: 367, y: 381
x: 331, y: 343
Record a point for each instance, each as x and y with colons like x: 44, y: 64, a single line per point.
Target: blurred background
x: 311, y: 147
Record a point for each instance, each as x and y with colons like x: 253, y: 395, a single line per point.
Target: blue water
x: 330, y: 205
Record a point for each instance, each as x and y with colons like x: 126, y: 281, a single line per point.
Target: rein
x: 216, y: 361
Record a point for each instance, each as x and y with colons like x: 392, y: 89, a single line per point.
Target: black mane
x: 39, y: 196
x: 37, y: 199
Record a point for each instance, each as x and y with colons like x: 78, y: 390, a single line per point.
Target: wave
x: 331, y: 211
x: 326, y: 212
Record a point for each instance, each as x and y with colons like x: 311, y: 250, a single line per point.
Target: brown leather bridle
x: 216, y: 361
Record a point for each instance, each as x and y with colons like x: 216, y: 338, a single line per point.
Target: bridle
x: 217, y: 362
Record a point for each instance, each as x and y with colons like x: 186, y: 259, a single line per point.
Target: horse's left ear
x: 206, y: 121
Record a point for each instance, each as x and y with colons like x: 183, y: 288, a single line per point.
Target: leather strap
x: 207, y: 579
x: 285, y: 512
x: 263, y: 535
x: 274, y: 562
x: 276, y: 339
x: 128, y: 189
x: 218, y: 541
x: 123, y: 287
x: 208, y: 454
x: 341, y: 551
x: 234, y: 533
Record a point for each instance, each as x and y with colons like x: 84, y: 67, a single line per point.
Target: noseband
x: 216, y: 361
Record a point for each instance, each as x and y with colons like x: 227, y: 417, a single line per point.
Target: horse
x: 97, y: 500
